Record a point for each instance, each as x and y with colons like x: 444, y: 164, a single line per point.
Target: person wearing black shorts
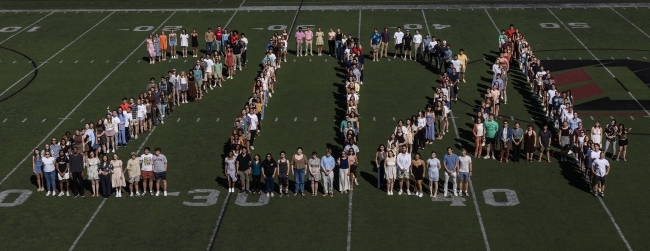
x: 399, y: 43
x: 408, y: 40
x: 283, y: 173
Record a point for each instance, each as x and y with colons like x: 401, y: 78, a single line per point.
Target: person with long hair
x: 417, y: 170
x: 256, y: 173
x: 105, y: 170
x: 564, y: 139
x: 110, y: 133
x: 195, y: 43
x: 37, y: 168
x: 63, y: 169
x: 269, y: 169
x: 117, y: 178
x: 319, y: 41
x: 433, y: 167
x: 344, y: 173
x: 622, y: 141
x: 530, y: 142
x: 156, y: 47
x: 92, y: 169
x: 150, y: 49
x: 479, y: 136
x: 230, y: 63
x: 172, y: 44
x: 314, y: 172
x: 184, y: 42
x: 50, y: 172
x: 611, y: 131
x: 597, y: 133
x: 231, y: 171
x: 353, y: 162
x: 380, y: 158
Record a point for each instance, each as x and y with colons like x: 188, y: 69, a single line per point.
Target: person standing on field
x: 399, y: 43
x: 545, y: 137
x: 327, y: 164
x: 146, y: 160
x: 433, y: 167
x: 600, y: 169
x: 133, y: 167
x: 375, y: 40
x: 209, y: 40
x: 464, y: 171
x: 491, y: 128
x: 269, y: 169
x: 63, y: 169
x: 160, y: 171
x: 300, y: 39
x: 309, y: 36
x: 403, y: 167
x: 417, y: 46
x: 243, y: 169
x: 76, y: 161
x: 451, y: 169
x: 463, y: 66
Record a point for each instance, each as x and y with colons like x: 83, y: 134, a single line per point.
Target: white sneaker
x: 157, y: 193
x: 455, y: 194
x: 165, y: 193
x: 355, y: 182
x: 466, y: 193
x: 151, y: 192
x: 67, y: 193
x: 388, y: 192
x: 48, y: 193
x: 445, y: 194
x: 398, y: 193
x: 137, y: 193
x: 61, y: 194
x: 493, y: 157
x: 486, y: 157
x: 570, y: 152
x: 420, y: 195
x: 211, y: 88
x: 131, y: 194
x: 408, y: 192
x: 270, y: 95
x: 252, y: 148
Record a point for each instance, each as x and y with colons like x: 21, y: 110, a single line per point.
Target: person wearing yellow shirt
x: 463, y: 66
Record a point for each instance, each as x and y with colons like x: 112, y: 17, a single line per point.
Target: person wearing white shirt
x: 417, y: 41
x: 496, y: 69
x: 398, y: 41
x: 464, y: 171
x: 456, y: 63
x: 400, y: 125
x: 252, y: 127
x: 209, y: 71
x: 600, y: 169
x: 593, y: 156
x: 403, y: 166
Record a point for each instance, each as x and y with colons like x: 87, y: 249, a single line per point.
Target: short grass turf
x: 554, y: 204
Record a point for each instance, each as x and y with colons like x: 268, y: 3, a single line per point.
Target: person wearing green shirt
x: 491, y: 128
x: 344, y: 126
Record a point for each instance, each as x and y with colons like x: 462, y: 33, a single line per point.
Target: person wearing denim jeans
x: 298, y: 163
x: 50, y: 171
x: 338, y: 44
x: 269, y: 169
x: 121, y: 139
x: 209, y: 40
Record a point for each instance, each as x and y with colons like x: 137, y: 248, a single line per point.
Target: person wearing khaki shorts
x: 300, y: 39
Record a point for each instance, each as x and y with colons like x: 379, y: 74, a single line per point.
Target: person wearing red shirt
x: 217, y: 40
x: 511, y: 31
x: 234, y: 37
x: 124, y: 105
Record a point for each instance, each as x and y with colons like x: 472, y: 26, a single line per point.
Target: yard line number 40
x: 208, y: 197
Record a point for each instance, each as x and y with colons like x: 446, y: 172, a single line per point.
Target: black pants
x: 516, y: 151
x: 243, y: 58
x: 421, y: 137
x: 256, y: 183
x: 77, y: 183
x: 330, y: 47
x: 105, y: 185
x: 253, y: 134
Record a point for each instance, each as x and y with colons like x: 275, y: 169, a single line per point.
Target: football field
x: 63, y: 62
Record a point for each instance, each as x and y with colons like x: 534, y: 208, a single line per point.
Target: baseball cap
x: 444, y: 41
x: 132, y: 153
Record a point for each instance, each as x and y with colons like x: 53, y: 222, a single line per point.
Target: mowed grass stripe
x: 57, y: 102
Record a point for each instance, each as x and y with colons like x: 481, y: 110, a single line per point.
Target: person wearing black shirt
x: 339, y: 46
x: 243, y: 164
x: 269, y: 169
x: 408, y: 40
x: 62, y: 168
x: 76, y: 167
x: 237, y: 50
x: 439, y: 52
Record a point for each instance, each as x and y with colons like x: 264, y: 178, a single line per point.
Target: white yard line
x: 495, y: 24
x: 216, y: 226
x: 363, y: 7
x: 425, y: 22
x: 92, y: 218
x: 26, y: 27
x: 76, y: 107
x: 630, y: 23
x: 611, y: 217
x: 594, y: 56
x: 57, y: 53
x: 350, y: 220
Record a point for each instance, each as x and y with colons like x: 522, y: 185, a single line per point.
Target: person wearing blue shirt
x: 505, y: 137
x: 498, y: 81
x: 327, y: 164
x: 427, y: 48
x: 375, y: 38
x: 451, y: 169
x: 225, y: 40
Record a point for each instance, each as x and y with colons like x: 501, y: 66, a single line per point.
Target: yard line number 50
x: 571, y: 25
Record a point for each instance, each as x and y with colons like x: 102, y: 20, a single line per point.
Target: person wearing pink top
x: 309, y: 35
x: 300, y: 38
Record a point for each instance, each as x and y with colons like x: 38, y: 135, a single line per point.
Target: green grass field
x: 61, y: 68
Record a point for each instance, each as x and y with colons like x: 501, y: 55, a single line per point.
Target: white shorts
x: 65, y: 176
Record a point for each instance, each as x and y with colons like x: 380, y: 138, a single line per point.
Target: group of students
x: 66, y: 163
